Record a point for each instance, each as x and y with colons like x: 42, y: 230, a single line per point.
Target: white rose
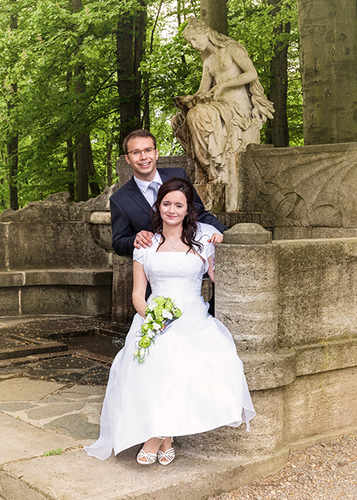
x: 152, y: 305
x: 151, y: 334
x: 166, y: 314
x: 156, y: 326
x: 148, y: 318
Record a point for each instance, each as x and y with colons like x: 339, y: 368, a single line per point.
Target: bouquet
x: 160, y: 312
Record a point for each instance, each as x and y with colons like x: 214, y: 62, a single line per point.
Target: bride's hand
x: 216, y: 238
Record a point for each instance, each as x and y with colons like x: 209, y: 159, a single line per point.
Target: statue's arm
x: 206, y: 82
x: 243, y: 61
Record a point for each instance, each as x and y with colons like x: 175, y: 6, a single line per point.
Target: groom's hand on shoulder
x: 143, y: 239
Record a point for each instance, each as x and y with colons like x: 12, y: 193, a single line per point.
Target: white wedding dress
x: 192, y: 381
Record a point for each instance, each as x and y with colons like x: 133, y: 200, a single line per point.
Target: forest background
x: 77, y: 76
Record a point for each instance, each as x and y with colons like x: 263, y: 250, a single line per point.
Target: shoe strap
x: 169, y: 454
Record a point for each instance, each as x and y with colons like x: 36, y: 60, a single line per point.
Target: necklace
x: 172, y: 242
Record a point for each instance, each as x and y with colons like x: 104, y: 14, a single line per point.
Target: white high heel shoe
x: 149, y: 458
x: 146, y: 457
x: 166, y: 457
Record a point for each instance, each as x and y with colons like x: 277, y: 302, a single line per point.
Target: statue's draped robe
x: 211, y: 132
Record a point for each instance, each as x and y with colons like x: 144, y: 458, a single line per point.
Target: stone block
x: 265, y: 436
x: 9, y: 302
x: 247, y: 234
x: 57, y: 207
x: 321, y: 403
x: 12, y: 488
x: 229, y: 219
x: 3, y: 246
x: 308, y: 233
x: 247, y: 294
x: 82, y: 300
x: 269, y: 370
x: 317, y: 279
x: 31, y: 350
x: 101, y: 232
x: 39, y: 245
x: 313, y: 186
x: 326, y: 356
x: 10, y: 279
x: 62, y: 277
x: 122, y: 306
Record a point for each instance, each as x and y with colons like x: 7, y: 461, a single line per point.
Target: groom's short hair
x: 138, y: 133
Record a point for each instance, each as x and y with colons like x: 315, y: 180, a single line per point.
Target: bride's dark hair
x: 189, y: 224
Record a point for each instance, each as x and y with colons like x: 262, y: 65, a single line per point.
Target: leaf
x: 53, y: 452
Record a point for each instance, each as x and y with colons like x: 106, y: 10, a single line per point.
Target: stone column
x: 122, y: 306
x: 247, y: 287
x: 247, y: 302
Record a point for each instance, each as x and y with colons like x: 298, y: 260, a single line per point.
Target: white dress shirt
x: 144, y: 187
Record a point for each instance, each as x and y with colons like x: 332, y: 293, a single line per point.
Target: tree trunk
x: 83, y: 152
x: 94, y: 186
x: 214, y: 13
x: 70, y: 168
x: 82, y: 162
x: 130, y: 44
x: 84, y: 158
x: 328, y: 43
x: 70, y: 155
x: 12, y: 156
x: 145, y: 123
x: 109, y: 150
x: 13, y: 143
x: 279, y: 128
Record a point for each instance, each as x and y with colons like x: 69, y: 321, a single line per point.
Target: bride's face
x: 173, y: 208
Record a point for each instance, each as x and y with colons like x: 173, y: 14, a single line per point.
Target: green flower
x: 160, y: 301
x: 169, y: 304
x: 144, y: 342
x: 158, y: 311
x: 177, y: 313
x: 145, y: 327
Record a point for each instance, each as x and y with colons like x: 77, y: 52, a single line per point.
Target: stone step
x: 22, y: 351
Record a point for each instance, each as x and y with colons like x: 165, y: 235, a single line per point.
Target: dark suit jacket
x: 131, y: 212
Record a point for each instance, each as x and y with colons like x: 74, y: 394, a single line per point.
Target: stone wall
x: 49, y: 261
x: 291, y: 308
x: 311, y: 190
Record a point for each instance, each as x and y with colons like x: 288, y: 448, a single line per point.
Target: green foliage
x: 52, y: 453
x: 251, y: 23
x: 64, y: 64
x: 43, y: 56
x: 175, y: 68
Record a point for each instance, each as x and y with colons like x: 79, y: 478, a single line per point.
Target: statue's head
x: 197, y: 32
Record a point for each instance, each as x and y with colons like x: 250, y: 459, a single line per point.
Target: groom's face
x: 142, y: 157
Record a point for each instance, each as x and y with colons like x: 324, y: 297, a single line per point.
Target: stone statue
x: 229, y: 108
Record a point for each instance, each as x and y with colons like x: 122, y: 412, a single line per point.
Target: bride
x: 192, y: 380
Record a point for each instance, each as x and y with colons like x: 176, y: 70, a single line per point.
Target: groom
x: 131, y: 204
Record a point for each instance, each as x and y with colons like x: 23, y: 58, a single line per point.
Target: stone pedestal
x: 247, y: 296
x: 122, y: 306
x: 247, y: 287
